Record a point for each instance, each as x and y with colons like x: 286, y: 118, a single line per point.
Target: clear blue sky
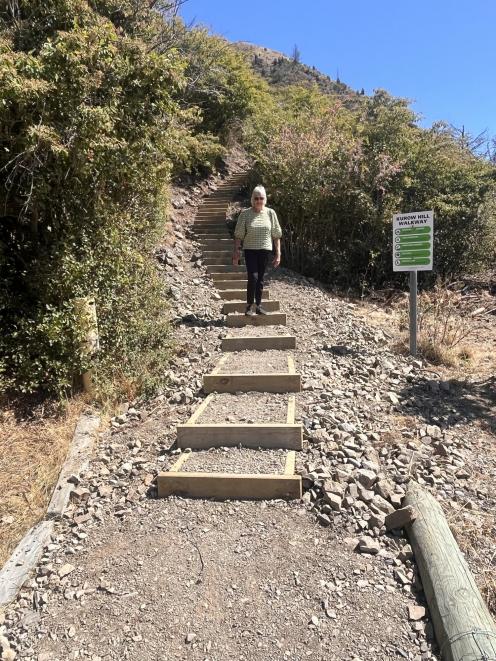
x: 440, y: 54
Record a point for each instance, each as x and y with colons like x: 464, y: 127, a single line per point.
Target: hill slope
x: 279, y: 69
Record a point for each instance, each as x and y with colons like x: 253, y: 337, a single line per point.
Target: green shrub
x: 336, y: 175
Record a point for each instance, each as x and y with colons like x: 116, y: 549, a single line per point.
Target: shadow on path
x: 453, y: 401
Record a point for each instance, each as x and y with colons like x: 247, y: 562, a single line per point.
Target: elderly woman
x: 256, y: 228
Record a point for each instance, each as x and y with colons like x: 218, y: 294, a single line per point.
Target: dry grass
x: 474, y: 533
x: 32, y: 451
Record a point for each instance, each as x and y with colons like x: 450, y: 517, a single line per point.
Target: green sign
x: 412, y: 241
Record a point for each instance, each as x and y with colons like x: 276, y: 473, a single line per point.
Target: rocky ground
x: 130, y: 577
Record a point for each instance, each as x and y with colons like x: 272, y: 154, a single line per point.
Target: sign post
x: 413, y: 238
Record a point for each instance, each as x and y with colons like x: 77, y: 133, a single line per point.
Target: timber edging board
x: 229, y: 486
x: 240, y: 294
x: 285, y: 382
x: 248, y: 343
x: 267, y: 435
x: 240, y: 320
x: 240, y: 306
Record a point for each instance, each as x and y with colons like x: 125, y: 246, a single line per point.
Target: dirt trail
x: 132, y: 577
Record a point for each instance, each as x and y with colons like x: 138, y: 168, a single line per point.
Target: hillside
x: 279, y: 69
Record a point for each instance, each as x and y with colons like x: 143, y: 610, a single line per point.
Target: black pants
x: 256, y: 263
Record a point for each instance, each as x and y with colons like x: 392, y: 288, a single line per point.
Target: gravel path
x: 246, y: 408
x: 255, y: 362
x: 236, y: 460
x: 130, y: 577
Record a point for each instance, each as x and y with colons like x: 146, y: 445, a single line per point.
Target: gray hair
x: 260, y: 191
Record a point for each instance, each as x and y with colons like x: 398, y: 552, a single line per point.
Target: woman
x: 256, y: 228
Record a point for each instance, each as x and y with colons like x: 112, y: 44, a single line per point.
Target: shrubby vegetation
x: 336, y: 175
x: 101, y: 103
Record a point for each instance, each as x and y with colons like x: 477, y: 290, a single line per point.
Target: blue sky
x: 440, y: 54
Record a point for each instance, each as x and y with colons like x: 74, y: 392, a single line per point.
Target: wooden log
x: 228, y: 486
x: 23, y: 560
x: 240, y: 320
x: 76, y: 461
x: 465, y: 630
x: 85, y: 309
x: 252, y: 382
x: 248, y: 343
x: 266, y: 435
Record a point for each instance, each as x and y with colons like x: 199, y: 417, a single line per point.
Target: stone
x: 400, y: 518
x: 334, y: 501
x: 383, y: 505
x: 323, y: 519
x: 433, y: 431
x: 393, y: 398
x: 65, y: 570
x: 368, y: 546
x: 415, y: 612
x: 367, y: 478
x: 190, y: 637
x: 314, y: 620
x: 79, y: 495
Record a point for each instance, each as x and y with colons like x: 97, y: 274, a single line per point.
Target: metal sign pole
x: 413, y: 313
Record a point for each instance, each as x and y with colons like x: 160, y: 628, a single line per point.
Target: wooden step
x: 220, y: 261
x: 231, y: 284
x: 203, y: 437
x: 273, y: 382
x: 240, y: 294
x: 241, y: 275
x: 209, y: 225
x: 212, y: 236
x: 248, y: 343
x: 219, y: 245
x: 229, y: 486
x: 271, y: 319
x: 240, y: 306
x: 217, y: 253
x: 227, y: 268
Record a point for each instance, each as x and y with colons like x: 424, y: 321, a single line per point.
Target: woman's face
x: 258, y: 202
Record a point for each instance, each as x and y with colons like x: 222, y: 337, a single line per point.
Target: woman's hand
x: 235, y: 257
x: 276, y: 261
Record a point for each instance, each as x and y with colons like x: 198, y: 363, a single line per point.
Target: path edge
x: 25, y: 556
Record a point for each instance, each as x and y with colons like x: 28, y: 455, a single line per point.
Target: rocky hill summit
x: 279, y: 69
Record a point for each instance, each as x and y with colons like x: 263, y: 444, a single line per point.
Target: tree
x: 296, y: 55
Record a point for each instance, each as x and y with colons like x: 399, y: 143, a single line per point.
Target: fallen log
x: 464, y: 628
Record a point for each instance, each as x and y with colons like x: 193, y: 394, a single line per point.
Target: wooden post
x: 87, y: 318
x: 464, y: 628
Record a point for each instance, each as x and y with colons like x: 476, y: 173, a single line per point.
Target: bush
x: 336, y: 175
x: 91, y: 130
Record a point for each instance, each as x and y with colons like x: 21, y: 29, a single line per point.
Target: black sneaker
x: 249, y: 312
x: 260, y: 310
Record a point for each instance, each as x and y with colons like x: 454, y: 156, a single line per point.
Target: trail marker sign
x: 413, y: 237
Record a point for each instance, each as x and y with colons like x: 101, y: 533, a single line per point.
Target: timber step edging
x: 270, y: 382
x: 229, y: 486
x: 240, y: 306
x: 240, y: 320
x: 265, y: 343
x: 262, y: 435
x: 226, y: 268
x: 240, y: 294
x: 231, y: 284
